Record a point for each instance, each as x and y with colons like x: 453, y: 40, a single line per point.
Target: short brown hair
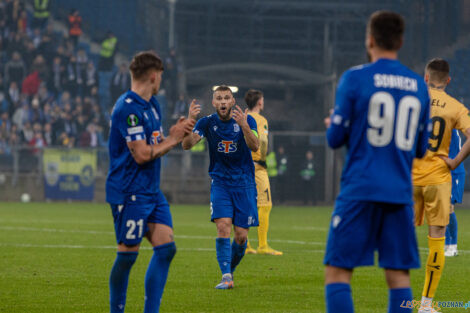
x: 143, y: 62
x: 387, y: 29
x: 223, y: 88
x: 438, y: 70
x: 252, y: 97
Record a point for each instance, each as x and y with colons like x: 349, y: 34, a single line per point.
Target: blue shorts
x: 458, y: 185
x: 131, y: 217
x: 359, y: 228
x: 238, y: 203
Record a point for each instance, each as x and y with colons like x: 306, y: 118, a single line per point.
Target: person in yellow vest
x: 108, y: 50
x: 255, y: 101
x: 431, y: 174
x: 41, y: 13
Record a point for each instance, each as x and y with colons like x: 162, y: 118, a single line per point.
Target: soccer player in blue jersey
x: 231, y: 135
x: 381, y: 115
x: 458, y: 184
x: 139, y: 209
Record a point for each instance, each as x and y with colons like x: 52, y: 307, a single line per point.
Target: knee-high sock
x: 434, y: 266
x: 452, y: 227
x: 338, y: 298
x: 224, y: 254
x: 248, y: 245
x: 119, y: 279
x: 398, y: 296
x: 238, y: 251
x: 263, y: 216
x: 447, y: 242
x: 157, y: 273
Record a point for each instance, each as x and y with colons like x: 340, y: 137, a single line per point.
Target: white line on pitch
x: 54, y: 230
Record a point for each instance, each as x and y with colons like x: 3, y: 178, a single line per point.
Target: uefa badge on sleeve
x: 132, y: 120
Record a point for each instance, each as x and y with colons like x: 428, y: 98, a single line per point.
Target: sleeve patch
x: 135, y: 130
x: 132, y: 120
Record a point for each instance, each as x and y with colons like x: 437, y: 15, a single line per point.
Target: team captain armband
x: 255, y: 132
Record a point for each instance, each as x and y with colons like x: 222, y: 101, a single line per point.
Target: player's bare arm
x: 192, y: 139
x: 143, y: 152
x: 463, y: 154
x: 242, y: 119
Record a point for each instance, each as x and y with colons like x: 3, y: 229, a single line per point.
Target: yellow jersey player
x: 255, y: 101
x: 432, y: 176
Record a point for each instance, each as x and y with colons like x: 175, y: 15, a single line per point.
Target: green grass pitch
x: 56, y: 257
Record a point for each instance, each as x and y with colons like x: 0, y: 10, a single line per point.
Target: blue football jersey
x: 132, y: 118
x: 454, y: 149
x: 230, y: 158
x: 382, y: 115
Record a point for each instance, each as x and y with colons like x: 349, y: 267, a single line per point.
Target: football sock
x: 338, y: 298
x: 248, y: 246
x: 157, y: 273
x: 434, y: 266
x: 452, y: 227
x: 119, y: 279
x: 447, y: 242
x: 238, y: 251
x: 263, y: 215
x: 223, y: 250
x: 398, y: 296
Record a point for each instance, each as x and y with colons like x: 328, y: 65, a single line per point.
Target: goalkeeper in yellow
x: 255, y: 101
x: 432, y: 176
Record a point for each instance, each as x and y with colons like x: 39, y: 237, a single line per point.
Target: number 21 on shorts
x: 132, y: 225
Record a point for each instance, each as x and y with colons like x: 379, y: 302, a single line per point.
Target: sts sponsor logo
x: 227, y: 146
x: 156, y: 138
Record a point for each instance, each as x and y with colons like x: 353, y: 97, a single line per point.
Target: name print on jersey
x: 227, y: 146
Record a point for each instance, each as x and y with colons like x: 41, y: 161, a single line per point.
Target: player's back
x: 381, y: 114
x: 446, y: 114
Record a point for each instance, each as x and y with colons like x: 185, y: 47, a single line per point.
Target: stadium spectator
x: 120, y: 82
x: 41, y: 13
x: 108, y: 50
x: 75, y: 26
x: 307, y: 175
x: 15, y: 69
x: 180, y: 107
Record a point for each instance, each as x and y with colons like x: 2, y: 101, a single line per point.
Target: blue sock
x: 222, y: 247
x: 448, y: 234
x: 453, y: 228
x: 118, y: 280
x: 338, y: 298
x: 237, y: 254
x: 398, y: 299
x: 155, y: 278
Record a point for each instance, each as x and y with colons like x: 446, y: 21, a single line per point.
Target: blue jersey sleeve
x: 252, y: 123
x: 424, y: 128
x: 201, y: 126
x: 129, y: 121
x: 337, y: 133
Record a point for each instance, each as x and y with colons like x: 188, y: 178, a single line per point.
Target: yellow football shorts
x: 432, y: 201
x: 262, y: 186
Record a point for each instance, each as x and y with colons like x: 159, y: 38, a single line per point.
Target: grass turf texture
x: 56, y: 257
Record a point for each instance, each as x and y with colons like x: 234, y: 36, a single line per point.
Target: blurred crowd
x: 48, y: 84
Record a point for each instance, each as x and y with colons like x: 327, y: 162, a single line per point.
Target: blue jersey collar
x: 138, y: 98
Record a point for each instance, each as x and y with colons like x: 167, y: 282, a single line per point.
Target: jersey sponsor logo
x: 236, y: 128
x: 135, y: 130
x: 227, y: 146
x: 156, y: 137
x: 132, y: 120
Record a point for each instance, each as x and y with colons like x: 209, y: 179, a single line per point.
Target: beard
x: 225, y: 116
